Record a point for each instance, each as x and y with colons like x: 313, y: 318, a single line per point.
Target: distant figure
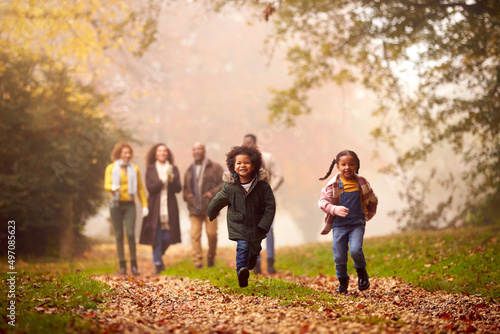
x: 161, y: 227
x: 275, y: 181
x: 250, y: 203
x: 123, y: 180
x: 203, y: 179
x: 348, y: 201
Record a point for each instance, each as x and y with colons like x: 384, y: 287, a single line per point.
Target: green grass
x: 45, y: 303
x: 225, y: 278
x: 58, y: 287
x: 462, y: 260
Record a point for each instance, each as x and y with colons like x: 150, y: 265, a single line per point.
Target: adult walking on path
x: 275, y: 180
x: 202, y: 181
x: 123, y: 180
x: 161, y: 227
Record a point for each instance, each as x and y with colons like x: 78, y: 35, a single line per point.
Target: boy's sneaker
x: 243, y: 274
x: 252, y: 261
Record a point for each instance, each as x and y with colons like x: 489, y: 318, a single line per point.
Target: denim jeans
x: 161, y: 245
x: 243, y: 250
x: 348, y: 236
x: 269, y: 244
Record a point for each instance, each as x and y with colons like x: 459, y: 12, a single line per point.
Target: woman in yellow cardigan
x: 123, y: 180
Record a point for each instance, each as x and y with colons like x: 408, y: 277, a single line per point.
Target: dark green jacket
x: 245, y: 211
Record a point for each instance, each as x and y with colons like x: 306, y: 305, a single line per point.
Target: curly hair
x: 117, y: 151
x: 252, y: 152
x: 151, y: 155
x: 336, y: 160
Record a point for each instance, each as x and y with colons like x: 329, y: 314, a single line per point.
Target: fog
x: 206, y: 79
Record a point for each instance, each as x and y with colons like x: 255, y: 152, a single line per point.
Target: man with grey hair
x: 202, y: 181
x: 275, y: 181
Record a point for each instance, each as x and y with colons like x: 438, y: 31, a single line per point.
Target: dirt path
x: 159, y: 304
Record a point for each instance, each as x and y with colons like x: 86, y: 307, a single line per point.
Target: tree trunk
x: 67, y: 236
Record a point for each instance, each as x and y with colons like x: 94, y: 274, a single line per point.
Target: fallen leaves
x: 167, y: 304
x: 159, y: 304
x: 403, y: 307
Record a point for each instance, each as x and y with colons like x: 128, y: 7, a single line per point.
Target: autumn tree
x: 435, y: 68
x: 55, y: 135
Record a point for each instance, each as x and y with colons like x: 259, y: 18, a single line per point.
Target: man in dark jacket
x: 202, y: 181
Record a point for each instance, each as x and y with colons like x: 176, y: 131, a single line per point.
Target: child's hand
x: 341, y: 211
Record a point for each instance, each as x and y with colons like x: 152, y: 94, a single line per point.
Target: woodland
x: 433, y: 67
x: 55, y: 106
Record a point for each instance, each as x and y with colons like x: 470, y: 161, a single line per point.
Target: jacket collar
x: 262, y: 176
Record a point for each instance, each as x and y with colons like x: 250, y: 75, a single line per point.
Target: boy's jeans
x: 243, y: 251
x: 348, y: 236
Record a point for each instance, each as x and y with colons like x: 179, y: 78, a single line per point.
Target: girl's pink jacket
x: 330, y: 197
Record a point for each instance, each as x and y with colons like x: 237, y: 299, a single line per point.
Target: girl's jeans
x: 243, y: 251
x: 162, y: 243
x: 348, y: 236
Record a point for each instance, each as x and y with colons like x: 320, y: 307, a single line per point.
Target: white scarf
x: 116, y: 180
x: 164, y: 172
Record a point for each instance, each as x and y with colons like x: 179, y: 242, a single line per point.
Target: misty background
x: 206, y: 79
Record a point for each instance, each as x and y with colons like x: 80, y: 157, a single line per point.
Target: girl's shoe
x: 363, y: 281
x: 243, y: 277
x: 344, y: 284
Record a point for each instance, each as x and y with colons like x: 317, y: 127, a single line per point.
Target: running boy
x: 250, y: 203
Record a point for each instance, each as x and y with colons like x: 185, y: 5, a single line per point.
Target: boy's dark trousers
x: 245, y: 250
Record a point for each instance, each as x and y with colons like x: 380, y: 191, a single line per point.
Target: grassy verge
x: 49, y: 293
x: 45, y: 303
x: 462, y: 260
